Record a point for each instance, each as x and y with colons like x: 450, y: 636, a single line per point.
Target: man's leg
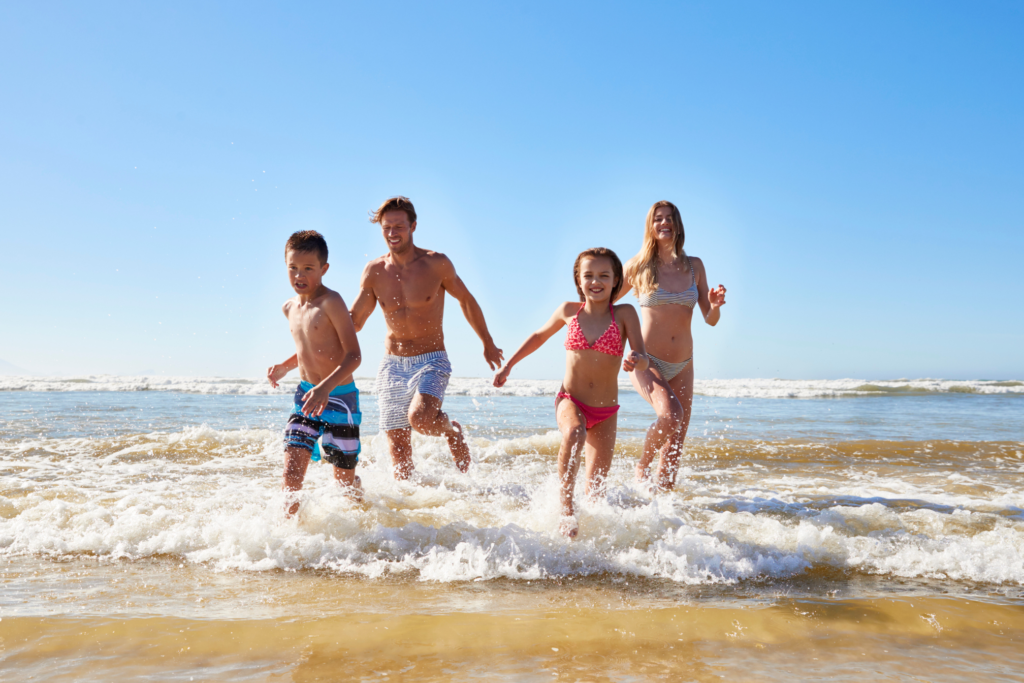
x: 400, y: 445
x: 296, y: 460
x: 426, y: 417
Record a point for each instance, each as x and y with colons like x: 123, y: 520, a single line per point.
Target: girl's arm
x: 637, y: 358
x: 534, y: 342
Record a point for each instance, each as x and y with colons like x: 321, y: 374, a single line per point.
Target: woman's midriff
x: 666, y: 331
x: 592, y: 377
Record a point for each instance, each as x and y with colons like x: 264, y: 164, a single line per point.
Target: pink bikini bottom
x: 593, y: 415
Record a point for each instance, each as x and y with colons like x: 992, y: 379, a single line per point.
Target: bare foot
x: 643, y: 472
x: 460, y: 451
x: 354, y: 490
x: 568, y: 526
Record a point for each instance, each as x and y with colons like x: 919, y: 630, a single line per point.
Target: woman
x: 668, y: 284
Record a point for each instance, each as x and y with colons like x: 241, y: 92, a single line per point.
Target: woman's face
x: 597, y: 278
x: 664, y: 225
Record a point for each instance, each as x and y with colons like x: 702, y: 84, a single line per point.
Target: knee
x: 421, y: 418
x: 576, y: 435
x: 672, y: 417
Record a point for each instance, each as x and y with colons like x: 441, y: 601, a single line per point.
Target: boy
x: 327, y: 353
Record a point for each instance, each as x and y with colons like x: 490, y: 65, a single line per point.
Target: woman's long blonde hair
x: 642, y: 270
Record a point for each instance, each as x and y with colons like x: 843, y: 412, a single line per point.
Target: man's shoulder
x: 434, y: 259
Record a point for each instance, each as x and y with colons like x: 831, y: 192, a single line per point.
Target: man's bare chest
x: 396, y: 291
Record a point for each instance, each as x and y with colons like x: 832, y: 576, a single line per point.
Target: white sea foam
x: 472, y: 386
x: 212, y: 497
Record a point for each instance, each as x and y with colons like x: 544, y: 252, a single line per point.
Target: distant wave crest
x: 473, y: 386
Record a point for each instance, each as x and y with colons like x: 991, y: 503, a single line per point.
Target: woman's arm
x: 534, y: 342
x: 627, y: 286
x: 637, y: 358
x: 710, y: 300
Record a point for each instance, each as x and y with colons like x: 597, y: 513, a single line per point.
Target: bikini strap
x: 693, y: 272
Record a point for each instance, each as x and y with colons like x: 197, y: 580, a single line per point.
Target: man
x: 410, y: 284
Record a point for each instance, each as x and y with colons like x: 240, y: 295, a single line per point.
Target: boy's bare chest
x: 309, y: 322
x: 408, y: 289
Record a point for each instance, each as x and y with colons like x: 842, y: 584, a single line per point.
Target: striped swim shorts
x: 337, y: 428
x: 400, y: 378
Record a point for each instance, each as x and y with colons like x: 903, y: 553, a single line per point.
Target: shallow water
x: 141, y: 535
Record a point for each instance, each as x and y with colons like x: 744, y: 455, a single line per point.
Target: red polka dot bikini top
x: 610, y: 342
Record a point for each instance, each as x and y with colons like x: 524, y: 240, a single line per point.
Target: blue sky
x: 850, y: 172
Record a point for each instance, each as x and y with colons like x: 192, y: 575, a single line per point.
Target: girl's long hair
x: 643, y: 269
x: 599, y: 252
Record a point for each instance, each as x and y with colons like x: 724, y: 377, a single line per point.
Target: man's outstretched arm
x: 454, y: 285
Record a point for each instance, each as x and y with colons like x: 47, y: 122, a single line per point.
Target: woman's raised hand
x: 716, y: 297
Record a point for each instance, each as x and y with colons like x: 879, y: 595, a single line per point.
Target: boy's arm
x: 275, y: 373
x: 315, y: 400
x: 533, y: 342
x: 454, y: 285
x: 637, y: 358
x: 365, y: 302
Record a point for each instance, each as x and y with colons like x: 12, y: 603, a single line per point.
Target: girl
x: 588, y: 400
x: 668, y: 284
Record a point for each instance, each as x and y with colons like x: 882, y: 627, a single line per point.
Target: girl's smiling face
x: 597, y: 278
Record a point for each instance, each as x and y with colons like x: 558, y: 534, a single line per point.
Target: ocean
x: 840, y: 530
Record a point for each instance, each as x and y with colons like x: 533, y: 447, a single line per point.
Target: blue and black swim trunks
x: 336, y: 429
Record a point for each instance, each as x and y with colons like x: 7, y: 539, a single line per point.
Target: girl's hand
x: 633, y: 360
x: 716, y: 297
x: 502, y: 376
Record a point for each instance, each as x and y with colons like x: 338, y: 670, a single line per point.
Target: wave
x: 743, y: 511
x: 472, y: 386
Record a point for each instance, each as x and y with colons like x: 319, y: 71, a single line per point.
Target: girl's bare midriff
x: 587, y: 376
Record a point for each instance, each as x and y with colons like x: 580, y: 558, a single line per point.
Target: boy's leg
x: 400, y: 445
x: 347, y: 478
x: 600, y: 449
x: 426, y: 417
x: 573, y: 426
x: 296, y: 460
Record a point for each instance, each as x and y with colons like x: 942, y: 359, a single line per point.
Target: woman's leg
x: 599, y: 450
x: 573, y: 426
x: 656, y: 391
x: 668, y: 465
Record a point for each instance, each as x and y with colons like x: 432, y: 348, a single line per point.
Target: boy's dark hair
x: 308, y: 240
x: 599, y: 252
x: 398, y: 203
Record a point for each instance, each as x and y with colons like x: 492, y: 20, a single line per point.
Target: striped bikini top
x: 610, y: 342
x: 659, y: 297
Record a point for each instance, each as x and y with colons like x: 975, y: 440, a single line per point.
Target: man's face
x: 305, y: 272
x: 397, y: 231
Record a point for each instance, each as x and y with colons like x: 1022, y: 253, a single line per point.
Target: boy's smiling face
x: 305, y: 271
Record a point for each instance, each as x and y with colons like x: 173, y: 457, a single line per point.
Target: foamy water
x: 143, y: 533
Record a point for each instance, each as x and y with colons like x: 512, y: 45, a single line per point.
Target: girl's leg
x: 656, y: 391
x: 599, y: 450
x: 573, y: 426
x: 668, y: 464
